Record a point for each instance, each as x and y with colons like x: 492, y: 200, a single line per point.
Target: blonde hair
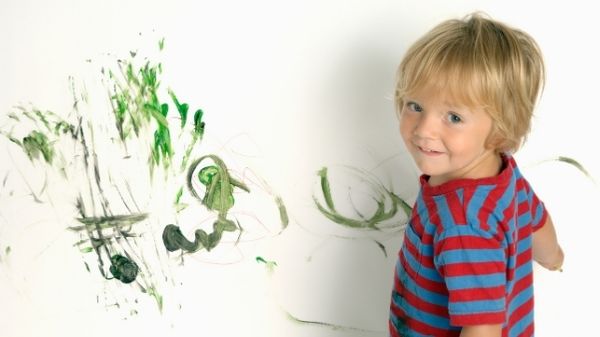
x: 481, y: 63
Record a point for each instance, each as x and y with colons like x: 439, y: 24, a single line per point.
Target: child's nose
x: 427, y: 126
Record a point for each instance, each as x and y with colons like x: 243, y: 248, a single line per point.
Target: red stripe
x: 477, y: 319
x: 477, y: 294
x: 456, y: 208
x: 479, y: 268
x: 468, y: 242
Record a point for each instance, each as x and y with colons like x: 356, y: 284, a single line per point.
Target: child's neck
x: 489, y: 164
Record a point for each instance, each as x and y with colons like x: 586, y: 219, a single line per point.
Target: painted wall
x: 287, y: 88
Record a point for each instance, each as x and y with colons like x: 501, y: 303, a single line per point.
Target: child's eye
x: 454, y: 118
x: 414, y: 106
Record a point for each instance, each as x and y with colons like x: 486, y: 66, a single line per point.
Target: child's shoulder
x: 480, y: 204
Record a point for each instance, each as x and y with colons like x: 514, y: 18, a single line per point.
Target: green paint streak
x: 269, y: 265
x: 158, y: 297
x: 380, y: 215
x: 575, y: 163
x: 182, y: 108
x: 328, y: 325
x: 197, y: 134
x: 123, y: 269
x: 114, y: 221
x: 325, y: 188
x: 86, y: 250
x: 161, y: 44
x: 283, y: 215
x: 37, y: 143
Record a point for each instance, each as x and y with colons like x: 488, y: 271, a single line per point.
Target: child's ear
x: 495, y: 141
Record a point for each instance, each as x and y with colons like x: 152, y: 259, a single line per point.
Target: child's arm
x: 546, y: 250
x: 494, y: 330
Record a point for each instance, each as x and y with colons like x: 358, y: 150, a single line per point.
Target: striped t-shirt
x: 466, y: 257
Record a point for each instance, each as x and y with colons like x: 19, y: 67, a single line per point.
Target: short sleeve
x: 472, y: 263
x: 537, y: 209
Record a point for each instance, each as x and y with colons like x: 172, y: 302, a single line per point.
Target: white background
x: 295, y: 85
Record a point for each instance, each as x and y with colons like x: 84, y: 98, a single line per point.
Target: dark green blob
x: 123, y: 269
x: 174, y: 239
x: 198, y: 123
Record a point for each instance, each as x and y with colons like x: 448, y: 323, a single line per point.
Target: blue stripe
x: 443, y: 210
x: 472, y: 255
x: 475, y: 281
x: 523, y: 271
x: 523, y: 244
x: 476, y: 203
x: 477, y: 307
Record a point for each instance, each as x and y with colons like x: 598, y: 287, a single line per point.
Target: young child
x: 465, y: 95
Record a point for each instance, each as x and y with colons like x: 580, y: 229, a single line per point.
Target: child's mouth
x: 429, y: 152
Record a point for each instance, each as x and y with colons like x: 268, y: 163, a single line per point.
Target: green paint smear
x: 218, y: 197
x: 380, y: 215
x: 40, y: 140
x: 123, y: 269
x: 136, y: 104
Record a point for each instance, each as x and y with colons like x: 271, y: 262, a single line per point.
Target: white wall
x: 287, y: 88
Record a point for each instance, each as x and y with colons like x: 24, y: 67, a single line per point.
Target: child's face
x: 447, y: 140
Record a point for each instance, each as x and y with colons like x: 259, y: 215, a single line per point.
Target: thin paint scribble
x: 572, y: 162
x: 388, y: 205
